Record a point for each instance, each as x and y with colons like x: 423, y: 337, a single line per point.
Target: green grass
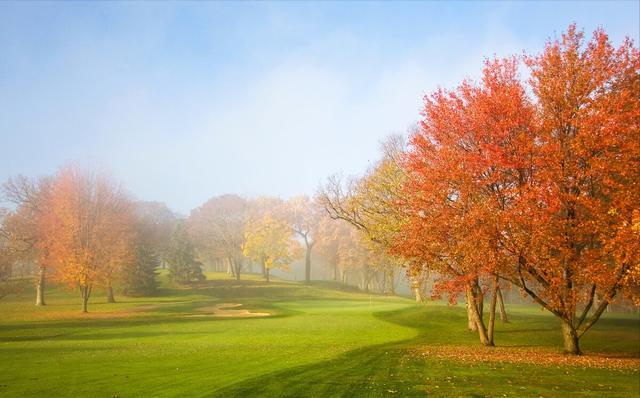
x: 322, y: 340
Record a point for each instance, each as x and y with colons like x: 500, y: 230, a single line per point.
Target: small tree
x: 304, y: 215
x: 183, y: 265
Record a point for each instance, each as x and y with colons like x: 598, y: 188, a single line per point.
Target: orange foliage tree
x: 540, y: 190
x: 87, y: 229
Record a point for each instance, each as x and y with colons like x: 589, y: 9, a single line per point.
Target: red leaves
x: 541, y: 189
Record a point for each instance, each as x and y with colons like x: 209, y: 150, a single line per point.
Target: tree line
x: 81, y: 228
x: 527, y: 183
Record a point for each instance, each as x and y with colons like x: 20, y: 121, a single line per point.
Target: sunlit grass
x: 317, y: 342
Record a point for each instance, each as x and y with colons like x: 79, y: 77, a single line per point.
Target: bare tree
x: 21, y: 227
x: 304, y: 216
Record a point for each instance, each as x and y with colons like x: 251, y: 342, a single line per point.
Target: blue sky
x: 183, y: 101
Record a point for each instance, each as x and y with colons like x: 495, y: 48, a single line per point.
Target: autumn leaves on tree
x: 78, y: 227
x: 86, y: 231
x: 532, y: 182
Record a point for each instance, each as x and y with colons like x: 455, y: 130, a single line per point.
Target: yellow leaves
x: 269, y: 241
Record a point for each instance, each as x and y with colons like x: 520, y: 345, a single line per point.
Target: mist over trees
x: 505, y: 183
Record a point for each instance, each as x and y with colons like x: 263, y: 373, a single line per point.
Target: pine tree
x: 140, y: 278
x: 183, y: 265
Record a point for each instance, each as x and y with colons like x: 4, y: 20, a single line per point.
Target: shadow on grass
x: 394, y: 369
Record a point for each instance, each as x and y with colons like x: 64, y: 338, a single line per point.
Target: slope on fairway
x: 320, y: 340
x: 155, y: 345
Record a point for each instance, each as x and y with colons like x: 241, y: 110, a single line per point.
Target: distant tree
x: 22, y: 228
x: 304, y: 216
x: 87, y: 230
x: 139, y: 278
x: 181, y: 257
x: 328, y: 237
x: 158, y: 223
x: 218, y: 229
x: 369, y: 204
x: 7, y: 258
x: 269, y: 242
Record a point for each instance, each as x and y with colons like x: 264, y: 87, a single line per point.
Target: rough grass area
x: 320, y: 340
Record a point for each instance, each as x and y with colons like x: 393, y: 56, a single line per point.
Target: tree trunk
x: 391, y: 280
x: 418, y: 293
x: 479, y: 300
x: 264, y: 270
x: 471, y: 324
x: 571, y: 339
x: 503, y: 312
x: 475, y: 316
x: 492, y: 309
x: 230, y: 270
x: 237, y: 268
x: 267, y: 274
x: 85, y: 292
x: 416, y: 286
x: 110, y: 298
x: 42, y: 279
x: 307, y: 261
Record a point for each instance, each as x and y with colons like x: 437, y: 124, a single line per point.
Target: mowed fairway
x: 319, y: 341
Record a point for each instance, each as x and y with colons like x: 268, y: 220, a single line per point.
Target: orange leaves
x: 502, y: 182
x: 87, y: 228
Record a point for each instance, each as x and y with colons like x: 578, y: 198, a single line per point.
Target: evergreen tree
x: 140, y: 278
x: 183, y: 265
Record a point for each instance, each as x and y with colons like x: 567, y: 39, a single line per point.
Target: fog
x: 186, y: 101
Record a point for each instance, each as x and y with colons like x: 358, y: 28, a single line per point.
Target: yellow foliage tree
x: 269, y: 242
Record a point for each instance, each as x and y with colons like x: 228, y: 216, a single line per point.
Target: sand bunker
x: 223, y: 311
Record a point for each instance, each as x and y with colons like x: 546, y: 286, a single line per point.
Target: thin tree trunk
x: 475, y: 316
x: 267, y: 274
x: 479, y: 300
x: 418, y: 293
x: 307, y: 261
x: 110, y: 298
x: 237, y: 268
x: 503, y: 312
x: 492, y: 309
x: 230, y: 269
x: 571, y: 339
x: 85, y: 292
x: 40, y: 286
